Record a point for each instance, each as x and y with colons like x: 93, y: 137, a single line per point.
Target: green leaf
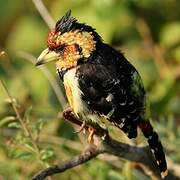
x: 17, y: 153
x: 6, y: 120
x: 12, y: 153
x: 15, y: 125
x: 47, y: 154
x: 30, y: 146
x: 27, y: 114
x: 39, y: 125
x: 24, y: 155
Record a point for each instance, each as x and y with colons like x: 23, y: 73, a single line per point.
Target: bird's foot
x: 81, y: 127
x: 91, y: 134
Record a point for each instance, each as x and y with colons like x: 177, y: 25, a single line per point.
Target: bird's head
x: 69, y: 42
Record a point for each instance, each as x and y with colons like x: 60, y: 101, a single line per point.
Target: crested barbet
x: 101, y: 85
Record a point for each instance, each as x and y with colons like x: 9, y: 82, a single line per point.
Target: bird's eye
x: 78, y: 48
x: 59, y: 48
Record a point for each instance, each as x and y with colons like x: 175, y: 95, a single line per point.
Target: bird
x: 101, y: 85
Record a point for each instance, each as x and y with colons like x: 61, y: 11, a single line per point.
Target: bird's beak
x: 47, y: 56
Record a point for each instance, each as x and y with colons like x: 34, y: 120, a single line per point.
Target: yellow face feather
x: 62, y: 48
x: 69, y: 58
x: 70, y: 54
x: 83, y: 39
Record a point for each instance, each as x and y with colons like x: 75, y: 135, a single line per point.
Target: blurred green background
x: 147, y: 31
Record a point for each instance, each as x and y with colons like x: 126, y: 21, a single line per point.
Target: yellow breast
x: 73, y: 92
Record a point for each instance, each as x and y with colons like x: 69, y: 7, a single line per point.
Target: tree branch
x: 77, y: 160
x: 140, y: 155
x: 44, y: 13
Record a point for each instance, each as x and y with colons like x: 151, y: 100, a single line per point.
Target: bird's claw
x: 91, y: 134
x: 81, y: 127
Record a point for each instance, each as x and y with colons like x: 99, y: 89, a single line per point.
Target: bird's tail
x: 156, y: 146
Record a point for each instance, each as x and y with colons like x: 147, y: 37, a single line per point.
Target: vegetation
x: 32, y: 134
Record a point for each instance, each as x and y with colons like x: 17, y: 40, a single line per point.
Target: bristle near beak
x: 47, y: 56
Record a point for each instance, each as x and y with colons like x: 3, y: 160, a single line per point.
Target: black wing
x: 110, y: 93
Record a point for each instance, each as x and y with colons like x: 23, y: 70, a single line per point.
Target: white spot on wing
x: 110, y: 113
x: 136, y: 119
x: 133, y: 111
x: 117, y: 82
x: 123, y: 103
x: 121, y: 125
x: 109, y: 98
x: 150, y: 137
x: 152, y: 150
x: 131, y: 103
x: 123, y: 119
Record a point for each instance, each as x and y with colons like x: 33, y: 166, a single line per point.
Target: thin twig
x: 44, y: 13
x: 51, y: 79
x: 27, y: 132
